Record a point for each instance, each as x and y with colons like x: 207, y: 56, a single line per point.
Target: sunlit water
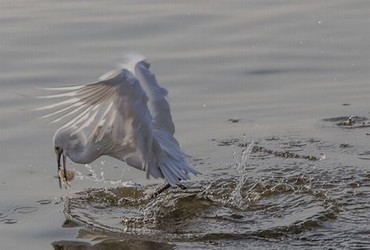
x: 270, y: 99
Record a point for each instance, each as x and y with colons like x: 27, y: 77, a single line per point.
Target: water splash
x: 98, y: 176
x: 236, y: 197
x: 269, y: 197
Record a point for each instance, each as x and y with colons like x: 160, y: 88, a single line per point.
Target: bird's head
x: 66, y: 143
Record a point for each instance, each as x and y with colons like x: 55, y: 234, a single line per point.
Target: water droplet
x: 322, y: 156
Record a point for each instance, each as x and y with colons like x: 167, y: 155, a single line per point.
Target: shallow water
x: 285, y: 76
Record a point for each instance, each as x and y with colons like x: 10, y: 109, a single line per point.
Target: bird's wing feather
x: 114, y: 107
x: 157, y: 102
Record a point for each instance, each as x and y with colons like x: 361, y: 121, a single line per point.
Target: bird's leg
x: 161, y: 190
x: 164, y: 188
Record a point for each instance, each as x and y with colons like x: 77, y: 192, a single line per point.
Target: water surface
x: 284, y: 75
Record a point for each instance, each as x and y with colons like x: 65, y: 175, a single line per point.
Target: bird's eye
x: 57, y: 148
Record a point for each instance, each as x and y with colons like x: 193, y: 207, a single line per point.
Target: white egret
x: 124, y: 115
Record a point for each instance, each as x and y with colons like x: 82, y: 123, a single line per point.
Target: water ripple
x: 268, y: 210
x: 263, y: 196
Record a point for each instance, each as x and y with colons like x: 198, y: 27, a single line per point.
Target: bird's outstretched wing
x: 114, y: 107
x: 157, y: 102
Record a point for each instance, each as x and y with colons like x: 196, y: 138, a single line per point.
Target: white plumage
x: 124, y: 115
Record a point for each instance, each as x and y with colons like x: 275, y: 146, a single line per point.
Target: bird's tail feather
x: 170, y: 160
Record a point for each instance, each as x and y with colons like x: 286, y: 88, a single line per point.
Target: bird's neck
x: 85, y: 154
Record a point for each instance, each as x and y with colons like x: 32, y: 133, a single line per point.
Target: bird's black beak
x: 59, y: 156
